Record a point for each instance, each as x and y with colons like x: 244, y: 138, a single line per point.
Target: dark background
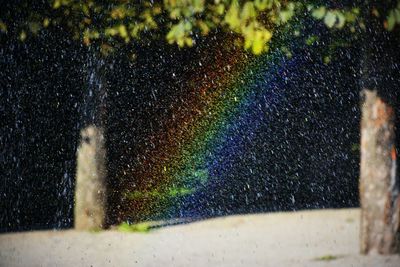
x: 313, y: 130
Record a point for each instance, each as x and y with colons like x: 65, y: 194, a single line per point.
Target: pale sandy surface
x: 276, y: 239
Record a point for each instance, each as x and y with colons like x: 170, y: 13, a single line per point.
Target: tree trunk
x: 91, y: 173
x: 90, y: 194
x: 379, y: 181
x: 379, y: 188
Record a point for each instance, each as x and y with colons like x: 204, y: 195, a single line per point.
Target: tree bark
x: 90, y: 194
x: 379, y: 188
x: 91, y: 174
x: 379, y: 180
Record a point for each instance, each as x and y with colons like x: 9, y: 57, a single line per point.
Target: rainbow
x: 183, y: 158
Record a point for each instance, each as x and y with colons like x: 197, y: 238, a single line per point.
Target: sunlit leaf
x: 263, y: 4
x: 285, y: 15
x: 175, y: 13
x: 122, y: 31
x: 232, y: 16
x: 319, y: 13
x: 330, y: 19
x: 220, y: 9
x: 258, y: 44
x: 189, y: 41
x: 267, y: 35
x: 198, y: 5
x: 248, y: 11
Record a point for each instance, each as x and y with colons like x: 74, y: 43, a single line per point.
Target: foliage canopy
x: 181, y: 22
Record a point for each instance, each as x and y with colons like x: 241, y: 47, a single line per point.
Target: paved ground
x: 310, y: 238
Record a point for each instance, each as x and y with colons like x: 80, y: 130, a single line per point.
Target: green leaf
x: 220, y: 9
x: 57, y: 4
x: 319, y: 13
x: 286, y: 15
x: 267, y: 35
x: 232, y: 16
x: 356, y: 11
x: 287, y: 52
x: 181, y: 42
x: 139, y: 227
x: 327, y: 258
x: 397, y: 15
x: 262, y: 4
x: 258, y: 44
x: 175, y: 13
x: 247, y: 42
x: 3, y: 26
x: 177, y: 34
x: 189, y: 41
x: 205, y: 29
x: 46, y: 22
x: 248, y: 11
x: 181, y: 32
x: 198, y: 6
x: 188, y: 26
x: 391, y: 20
x: 122, y: 31
x: 330, y: 19
x: 350, y: 17
x: 311, y: 40
x: 341, y: 20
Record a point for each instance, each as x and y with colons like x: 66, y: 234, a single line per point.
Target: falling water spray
x: 90, y: 193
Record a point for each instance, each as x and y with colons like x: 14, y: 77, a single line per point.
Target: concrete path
x: 309, y: 238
